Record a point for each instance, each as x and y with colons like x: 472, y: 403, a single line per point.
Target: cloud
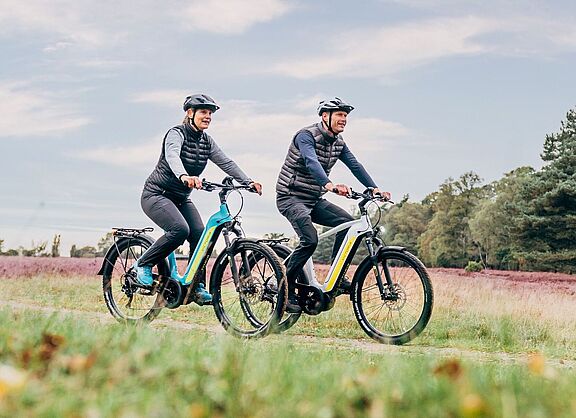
x: 138, y: 156
x: 166, y: 98
x: 232, y: 16
x: 385, y: 51
x: 68, y: 19
x: 28, y: 112
x: 381, y: 52
x: 246, y: 132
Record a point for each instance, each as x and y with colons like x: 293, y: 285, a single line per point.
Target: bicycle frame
x: 358, y: 229
x: 204, y: 247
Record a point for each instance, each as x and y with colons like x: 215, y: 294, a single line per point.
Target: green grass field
x: 489, y: 350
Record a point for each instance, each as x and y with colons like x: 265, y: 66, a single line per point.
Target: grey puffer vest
x: 194, y: 155
x: 294, y: 178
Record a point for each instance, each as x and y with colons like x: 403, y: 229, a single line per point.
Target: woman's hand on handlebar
x: 191, y: 181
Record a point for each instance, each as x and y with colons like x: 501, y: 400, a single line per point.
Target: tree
x: 495, y: 223
x: 274, y: 235
x: 55, y: 250
x: 37, y: 250
x: 447, y: 241
x: 84, y: 252
x: 548, y: 225
x: 405, y: 223
x: 105, y: 242
x: 550, y: 222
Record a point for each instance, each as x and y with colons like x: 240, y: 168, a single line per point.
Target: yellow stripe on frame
x: 340, y: 264
x: 200, y: 255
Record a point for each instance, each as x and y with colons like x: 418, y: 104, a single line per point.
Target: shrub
x: 473, y: 266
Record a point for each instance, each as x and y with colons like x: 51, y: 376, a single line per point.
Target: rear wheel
x: 404, y: 310
x: 126, y: 301
x: 240, y: 284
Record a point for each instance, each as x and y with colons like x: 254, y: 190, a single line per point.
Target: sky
x: 440, y: 87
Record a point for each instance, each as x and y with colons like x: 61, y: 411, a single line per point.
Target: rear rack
x: 273, y: 240
x: 130, y: 232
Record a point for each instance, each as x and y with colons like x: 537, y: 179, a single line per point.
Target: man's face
x: 338, y: 120
x: 202, y: 118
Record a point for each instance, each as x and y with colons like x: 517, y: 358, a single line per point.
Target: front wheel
x: 404, y: 309
x: 126, y: 301
x: 239, y: 283
x: 289, y: 319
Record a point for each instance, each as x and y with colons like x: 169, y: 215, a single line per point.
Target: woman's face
x: 202, y: 118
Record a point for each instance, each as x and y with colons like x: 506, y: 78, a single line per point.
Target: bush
x: 473, y: 266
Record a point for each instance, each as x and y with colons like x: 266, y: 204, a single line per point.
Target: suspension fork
x: 231, y: 259
x: 244, y: 268
x: 384, y: 291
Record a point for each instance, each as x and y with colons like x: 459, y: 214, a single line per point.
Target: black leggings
x: 302, y: 215
x: 180, y: 222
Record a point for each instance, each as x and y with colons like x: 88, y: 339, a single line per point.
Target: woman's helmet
x: 200, y: 101
x: 333, y: 105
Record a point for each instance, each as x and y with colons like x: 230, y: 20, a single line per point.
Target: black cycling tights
x: 180, y: 222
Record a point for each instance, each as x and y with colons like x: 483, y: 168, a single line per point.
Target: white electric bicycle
x: 391, y: 291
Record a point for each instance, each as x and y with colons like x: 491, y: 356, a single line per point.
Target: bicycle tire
x: 403, y: 319
x: 142, y: 305
x: 288, y: 319
x: 229, y: 297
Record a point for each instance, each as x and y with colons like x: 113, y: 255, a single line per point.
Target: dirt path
x: 345, y: 343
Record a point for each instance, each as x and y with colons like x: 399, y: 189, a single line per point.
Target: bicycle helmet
x: 332, y: 105
x: 200, y: 101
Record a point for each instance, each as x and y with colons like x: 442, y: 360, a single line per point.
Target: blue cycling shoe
x: 201, y: 295
x: 143, y: 274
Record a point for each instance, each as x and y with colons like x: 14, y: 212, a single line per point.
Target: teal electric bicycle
x: 241, y: 278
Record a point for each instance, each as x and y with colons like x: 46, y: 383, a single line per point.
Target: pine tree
x: 550, y: 222
x: 548, y: 226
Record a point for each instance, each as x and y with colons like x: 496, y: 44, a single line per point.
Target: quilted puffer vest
x: 294, y: 178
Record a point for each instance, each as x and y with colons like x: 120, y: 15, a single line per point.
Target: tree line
x: 525, y: 220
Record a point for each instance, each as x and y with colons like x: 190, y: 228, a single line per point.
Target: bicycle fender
x: 224, y: 253
x: 281, y: 250
x: 112, y: 248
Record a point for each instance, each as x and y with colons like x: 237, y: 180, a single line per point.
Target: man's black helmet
x: 333, y: 105
x: 200, y: 101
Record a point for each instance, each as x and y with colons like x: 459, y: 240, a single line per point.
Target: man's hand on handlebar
x: 340, y: 189
x: 191, y: 181
x: 386, y: 196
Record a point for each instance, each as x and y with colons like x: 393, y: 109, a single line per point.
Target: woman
x: 165, y: 199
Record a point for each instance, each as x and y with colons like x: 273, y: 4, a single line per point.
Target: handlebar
x: 366, y: 195
x: 226, y: 185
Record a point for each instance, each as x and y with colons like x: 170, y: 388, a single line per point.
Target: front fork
x: 386, y: 288
x: 233, y: 267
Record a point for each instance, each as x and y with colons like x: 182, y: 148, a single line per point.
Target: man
x: 304, y: 178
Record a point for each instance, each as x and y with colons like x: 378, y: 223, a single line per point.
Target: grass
x: 71, y: 367
x: 485, y: 315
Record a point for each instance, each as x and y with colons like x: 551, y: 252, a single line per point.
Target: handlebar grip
x: 186, y: 183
